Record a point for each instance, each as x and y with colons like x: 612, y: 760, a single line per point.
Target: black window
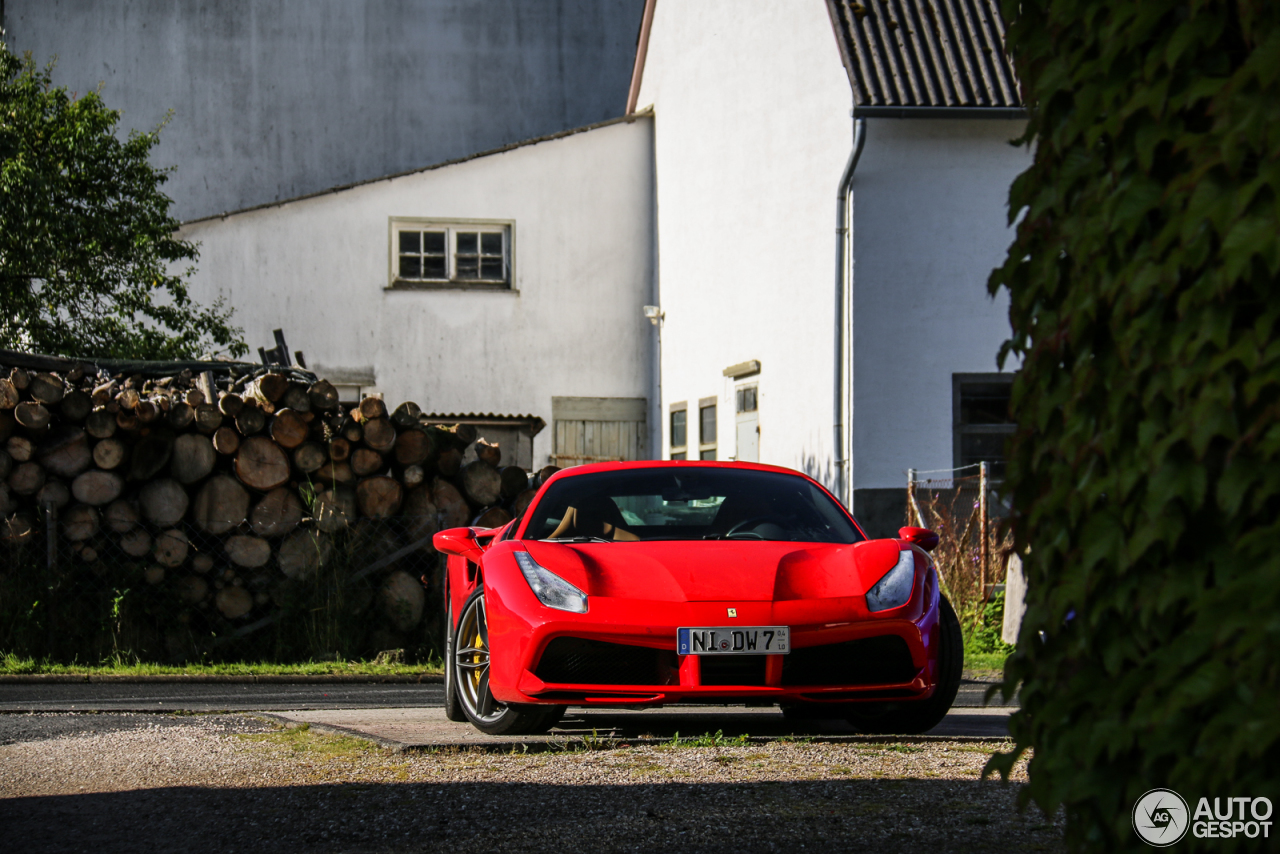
x: 707, y: 424
x: 679, y: 428
x: 422, y: 255
x: 445, y: 255
x: 982, y: 421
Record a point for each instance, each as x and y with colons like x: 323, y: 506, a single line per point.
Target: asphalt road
x: 250, y: 697
x: 212, y: 697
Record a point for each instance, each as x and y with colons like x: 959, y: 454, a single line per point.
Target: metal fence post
x: 982, y: 524
x: 911, y: 497
x: 51, y: 553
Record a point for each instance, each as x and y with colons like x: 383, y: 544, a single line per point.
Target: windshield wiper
x: 578, y: 540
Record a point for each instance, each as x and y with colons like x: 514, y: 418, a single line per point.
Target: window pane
x: 467, y: 242
x: 707, y: 455
x: 491, y: 268
x: 985, y: 403
x: 491, y: 243
x: 678, y: 429
x: 433, y: 268
x: 984, y: 447
x: 707, y: 424
x: 433, y: 241
x: 409, y: 241
x: 410, y: 267
x: 468, y: 268
x: 680, y: 456
x: 747, y: 399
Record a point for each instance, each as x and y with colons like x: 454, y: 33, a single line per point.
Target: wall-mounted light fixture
x: 654, y: 313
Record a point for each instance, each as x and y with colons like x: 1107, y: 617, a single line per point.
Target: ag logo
x: 1160, y: 817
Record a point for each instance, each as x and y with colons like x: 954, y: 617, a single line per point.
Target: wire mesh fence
x: 100, y: 588
x: 961, y: 506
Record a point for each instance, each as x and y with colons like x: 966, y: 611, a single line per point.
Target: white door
x: 748, y: 424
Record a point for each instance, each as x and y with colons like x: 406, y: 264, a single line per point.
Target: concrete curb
x: 569, y: 744
x: 320, y: 679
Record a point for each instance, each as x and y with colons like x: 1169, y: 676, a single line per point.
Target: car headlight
x: 894, y: 589
x: 551, y: 590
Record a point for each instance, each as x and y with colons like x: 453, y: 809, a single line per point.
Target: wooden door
x: 599, y: 429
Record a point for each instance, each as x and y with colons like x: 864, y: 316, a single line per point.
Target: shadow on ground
x: 873, y: 815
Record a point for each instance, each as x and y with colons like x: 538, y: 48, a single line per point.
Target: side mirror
x: 922, y: 537
x: 457, y: 541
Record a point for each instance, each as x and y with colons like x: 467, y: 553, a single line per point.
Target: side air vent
x: 884, y: 660
x: 579, y: 661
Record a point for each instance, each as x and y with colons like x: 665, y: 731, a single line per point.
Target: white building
x: 752, y: 104
x: 853, y: 357
x: 510, y: 283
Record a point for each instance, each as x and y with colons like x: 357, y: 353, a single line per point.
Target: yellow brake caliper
x: 477, y: 644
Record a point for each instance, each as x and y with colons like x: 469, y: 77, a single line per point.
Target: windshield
x: 689, y: 504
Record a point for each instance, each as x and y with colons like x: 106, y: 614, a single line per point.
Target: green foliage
x: 710, y: 739
x: 984, y: 637
x: 86, y: 240
x: 1146, y: 468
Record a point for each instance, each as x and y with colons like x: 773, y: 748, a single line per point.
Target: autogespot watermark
x: 1161, y: 817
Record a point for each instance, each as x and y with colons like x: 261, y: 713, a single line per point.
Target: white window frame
x: 451, y: 228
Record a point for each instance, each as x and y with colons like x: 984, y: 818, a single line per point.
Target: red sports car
x: 649, y: 583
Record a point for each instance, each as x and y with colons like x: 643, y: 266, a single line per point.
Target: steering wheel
x: 747, y: 523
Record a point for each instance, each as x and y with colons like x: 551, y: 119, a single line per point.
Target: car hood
x: 719, y: 570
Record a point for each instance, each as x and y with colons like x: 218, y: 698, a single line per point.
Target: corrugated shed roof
x: 925, y: 53
x: 494, y: 418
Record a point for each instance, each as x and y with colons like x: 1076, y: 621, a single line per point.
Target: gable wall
x: 574, y: 326
x: 751, y: 134
x: 274, y: 99
x: 930, y: 213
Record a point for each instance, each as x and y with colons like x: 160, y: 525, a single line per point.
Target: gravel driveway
x: 130, y: 782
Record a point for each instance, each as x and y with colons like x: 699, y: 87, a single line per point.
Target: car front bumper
x: 839, y: 631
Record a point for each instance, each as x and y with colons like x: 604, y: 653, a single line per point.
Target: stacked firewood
x: 225, y: 486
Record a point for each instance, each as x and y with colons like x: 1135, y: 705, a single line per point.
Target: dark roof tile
x: 925, y: 53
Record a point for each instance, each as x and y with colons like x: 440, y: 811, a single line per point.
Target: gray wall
x: 930, y: 223
x: 274, y: 99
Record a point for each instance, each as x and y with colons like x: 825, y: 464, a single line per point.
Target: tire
x: 470, y: 658
x: 452, y: 706
x: 919, y: 718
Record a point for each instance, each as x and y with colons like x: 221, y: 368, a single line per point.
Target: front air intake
x: 579, y: 661
x: 884, y: 660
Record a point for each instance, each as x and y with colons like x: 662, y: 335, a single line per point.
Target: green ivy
x: 1145, y: 474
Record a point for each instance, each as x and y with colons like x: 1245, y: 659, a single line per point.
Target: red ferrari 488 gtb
x: 649, y: 583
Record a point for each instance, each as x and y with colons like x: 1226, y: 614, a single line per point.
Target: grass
x: 709, y: 739
x: 302, y: 740
x: 13, y: 665
x: 991, y: 663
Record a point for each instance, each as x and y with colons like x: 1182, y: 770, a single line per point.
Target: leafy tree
x: 1145, y: 474
x: 86, y: 240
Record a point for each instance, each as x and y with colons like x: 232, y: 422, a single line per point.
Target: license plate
x: 733, y: 640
